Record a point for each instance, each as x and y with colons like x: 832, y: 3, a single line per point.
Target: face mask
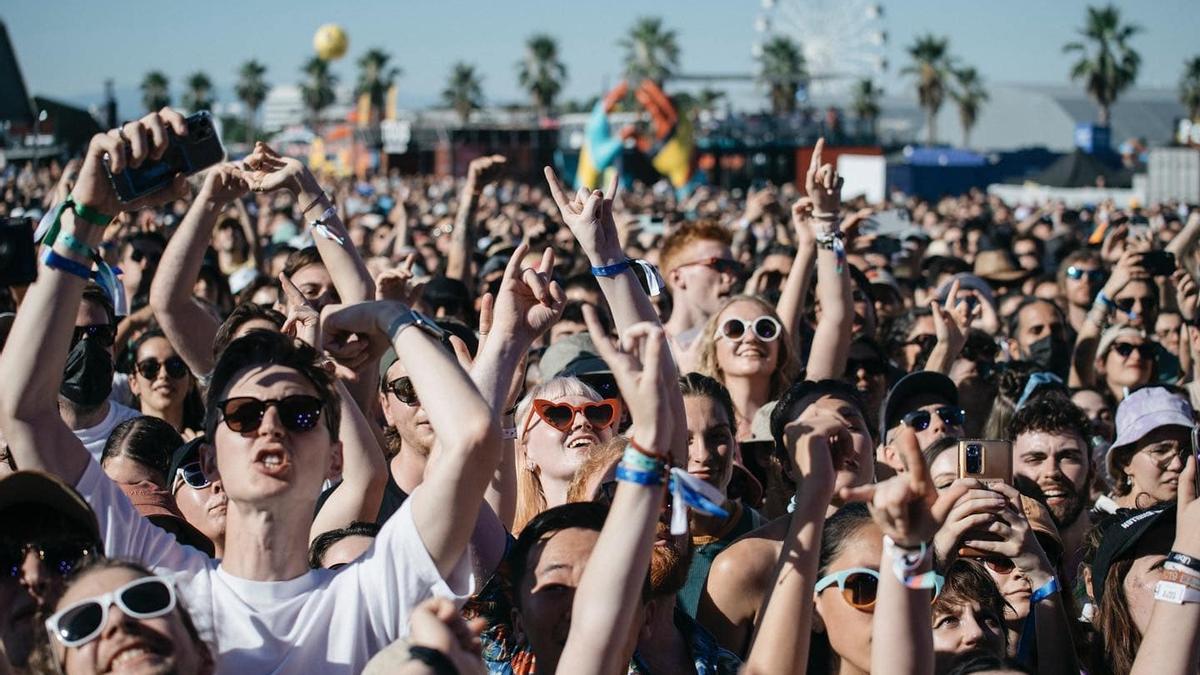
x: 1051, y: 354
x: 87, y: 379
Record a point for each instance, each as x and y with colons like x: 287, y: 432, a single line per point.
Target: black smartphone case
x: 200, y: 149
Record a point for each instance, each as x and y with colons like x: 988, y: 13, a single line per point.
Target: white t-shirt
x: 94, y: 438
x: 322, y: 622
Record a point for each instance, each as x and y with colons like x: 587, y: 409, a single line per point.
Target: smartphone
x: 197, y: 151
x: 18, y: 254
x: 1159, y: 263
x: 988, y: 461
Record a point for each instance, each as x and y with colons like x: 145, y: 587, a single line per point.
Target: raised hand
x: 484, y: 170
x: 954, y: 322
x: 224, y: 183
x: 436, y: 624
x: 1114, y: 246
x: 585, y: 215
x: 1128, y: 268
x: 124, y: 148
x: 1017, y: 541
x: 823, y: 184
x: 303, y: 321
x: 271, y: 171
x: 399, y: 284
x: 907, y: 507
x: 1186, y: 293
x: 802, y: 215
x: 368, y: 320
x: 529, y: 301
x: 641, y: 367
x: 815, y: 439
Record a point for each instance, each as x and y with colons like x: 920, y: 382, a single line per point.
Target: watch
x: 410, y: 317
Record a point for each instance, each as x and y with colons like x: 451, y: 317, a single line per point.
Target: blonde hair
x: 601, y: 457
x: 531, y: 499
x: 787, y: 367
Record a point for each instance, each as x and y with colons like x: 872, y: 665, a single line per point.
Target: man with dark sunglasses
x: 46, y: 530
x: 261, y: 607
x: 925, y: 401
x: 84, y: 402
x: 700, y: 271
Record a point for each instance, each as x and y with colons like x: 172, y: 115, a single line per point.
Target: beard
x: 669, y: 564
x: 1065, y: 514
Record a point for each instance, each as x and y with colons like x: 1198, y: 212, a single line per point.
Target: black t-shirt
x: 393, y: 497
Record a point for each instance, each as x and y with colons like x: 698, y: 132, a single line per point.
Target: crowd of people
x: 267, y: 421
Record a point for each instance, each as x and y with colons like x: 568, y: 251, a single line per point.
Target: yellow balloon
x: 331, y: 42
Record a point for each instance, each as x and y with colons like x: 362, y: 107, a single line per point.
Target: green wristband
x: 88, y: 213
x: 75, y: 246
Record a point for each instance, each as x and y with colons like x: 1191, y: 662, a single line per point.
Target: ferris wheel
x: 842, y: 40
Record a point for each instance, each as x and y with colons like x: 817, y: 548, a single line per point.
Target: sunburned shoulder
x: 754, y: 553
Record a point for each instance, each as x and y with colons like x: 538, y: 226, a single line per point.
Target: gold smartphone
x: 989, y: 462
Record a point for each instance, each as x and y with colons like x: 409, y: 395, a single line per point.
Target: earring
x: 1128, y: 480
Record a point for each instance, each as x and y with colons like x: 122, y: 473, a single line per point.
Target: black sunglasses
x: 244, y: 414
x: 175, y: 367
x: 1094, y: 276
x: 926, y: 342
x: 920, y: 419
x: 1144, y: 350
x: 872, y: 366
x: 1126, y: 304
x: 402, y: 388
x: 104, y: 334
x: 60, y: 555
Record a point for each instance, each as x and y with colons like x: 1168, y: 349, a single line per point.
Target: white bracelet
x: 322, y: 229
x: 509, y: 434
x: 1169, y: 591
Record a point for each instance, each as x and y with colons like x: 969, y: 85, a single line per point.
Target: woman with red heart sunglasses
x: 561, y: 420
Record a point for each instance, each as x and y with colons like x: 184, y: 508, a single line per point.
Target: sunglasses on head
x: 920, y: 419
x: 81, y: 622
x: 765, y: 328
x: 244, y: 414
x: 860, y: 586
x: 104, y: 334
x: 732, y: 268
x: 1126, y: 304
x: 61, y: 555
x: 561, y: 416
x: 175, y: 366
x: 1126, y: 349
x: 193, y: 475
x: 1094, y: 276
x: 402, y: 388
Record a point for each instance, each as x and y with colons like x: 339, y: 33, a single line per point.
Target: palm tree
x: 707, y: 99
x: 783, y: 71
x: 651, y: 51
x: 156, y: 91
x: 251, y: 89
x: 375, y: 78
x: 1189, y: 87
x: 317, y: 89
x: 970, y: 94
x: 463, y: 91
x: 866, y: 105
x: 931, y: 63
x: 199, y: 94
x: 1113, y: 65
x: 540, y: 72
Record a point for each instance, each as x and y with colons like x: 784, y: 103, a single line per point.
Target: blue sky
x: 67, y: 48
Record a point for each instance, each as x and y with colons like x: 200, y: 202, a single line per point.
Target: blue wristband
x: 628, y: 475
x: 75, y: 246
x: 1105, y: 300
x: 612, y: 270
x: 1048, y: 589
x: 55, y: 261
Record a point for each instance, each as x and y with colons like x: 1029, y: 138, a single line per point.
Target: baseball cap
x: 922, y: 382
x: 1121, y: 534
x: 34, y: 488
x: 572, y: 356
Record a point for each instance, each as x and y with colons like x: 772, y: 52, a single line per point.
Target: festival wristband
x: 75, y: 246
x: 905, y: 560
x: 1103, y: 299
x: 640, y: 461
x: 1184, y: 578
x: 613, y: 269
x: 1047, y: 589
x: 629, y: 475
x: 1184, y: 560
x: 322, y: 229
x: 654, y: 280
x: 1169, y: 591
x: 436, y: 660
x: 88, y: 213
x: 64, y: 264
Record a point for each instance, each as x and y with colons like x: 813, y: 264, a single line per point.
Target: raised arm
x: 799, y: 278
x: 445, y: 506
x: 187, y: 324
x: 480, y: 172
x: 1183, y: 243
x: 831, y: 340
x: 952, y: 324
x: 609, y: 592
x: 909, y: 511
x: 1083, y: 360
x: 781, y: 644
x: 346, y: 268
x: 1171, y: 643
x: 36, y: 351
x: 528, y: 303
